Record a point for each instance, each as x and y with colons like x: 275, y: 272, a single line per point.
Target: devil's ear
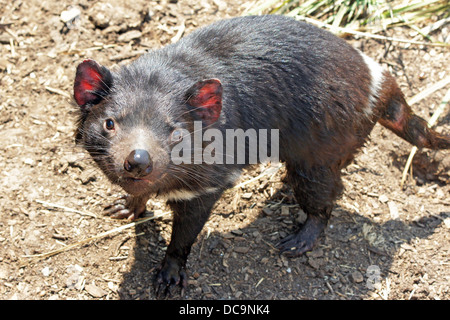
x: 92, y: 83
x: 205, y: 98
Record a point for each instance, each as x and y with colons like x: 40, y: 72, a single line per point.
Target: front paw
x: 171, y: 275
x: 304, y: 240
x: 126, y: 207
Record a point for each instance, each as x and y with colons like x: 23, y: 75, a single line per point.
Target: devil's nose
x: 138, y: 163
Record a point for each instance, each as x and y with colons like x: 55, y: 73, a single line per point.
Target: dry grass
x: 367, y: 17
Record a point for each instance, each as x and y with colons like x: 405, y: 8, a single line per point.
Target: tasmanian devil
x: 260, y: 72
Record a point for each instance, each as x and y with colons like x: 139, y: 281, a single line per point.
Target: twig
x: 54, y: 205
x: 58, y: 91
x: 12, y: 34
x: 431, y: 122
x: 40, y: 256
x: 83, y: 51
x: 259, y: 282
x: 181, y: 29
x: 13, y: 51
x: 271, y: 170
x: 429, y: 90
x: 369, y: 35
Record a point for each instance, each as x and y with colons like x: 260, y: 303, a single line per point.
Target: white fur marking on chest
x: 179, y: 195
x: 376, y: 73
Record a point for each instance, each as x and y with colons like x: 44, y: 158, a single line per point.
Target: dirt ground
x: 382, y: 242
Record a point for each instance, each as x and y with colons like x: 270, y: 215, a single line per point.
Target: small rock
x: 237, y: 232
x: 228, y: 235
x: 4, y: 273
x: 241, y: 249
x: 247, y: 195
x: 317, y: 253
x: 447, y: 223
x: 285, y: 211
x: 357, y: 277
x: 100, y: 20
x: 383, y: 198
x: 393, y: 210
x: 316, y: 263
x: 46, y: 271
x: 70, y: 16
x: 95, y: 291
x: 112, y: 286
x: 87, y: 176
x: 264, y: 260
x: 221, y: 5
x: 130, y: 35
x: 28, y: 161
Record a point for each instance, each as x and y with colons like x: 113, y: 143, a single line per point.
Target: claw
x: 304, y: 240
x: 113, y: 208
x: 125, y: 207
x: 118, y: 211
x: 292, y: 246
x: 168, y: 278
x: 120, y: 199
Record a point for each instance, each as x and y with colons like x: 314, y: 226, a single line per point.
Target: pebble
x: 316, y: 263
x: 393, y: 210
x: 383, y: 198
x: 100, y: 20
x: 317, y: 253
x: 447, y: 223
x: 241, y: 249
x: 267, y: 211
x: 95, y: 291
x: 4, y: 273
x: 237, y: 232
x: 46, y: 271
x: 221, y: 5
x: 357, y: 277
x: 70, y: 15
x: 284, y: 211
x: 247, y: 195
x: 87, y: 176
x: 130, y: 35
x: 28, y: 161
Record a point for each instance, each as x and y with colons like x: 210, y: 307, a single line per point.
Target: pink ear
x: 206, y: 98
x: 92, y: 83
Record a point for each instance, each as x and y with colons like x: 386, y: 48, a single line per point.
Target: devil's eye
x: 109, y: 124
x: 177, y: 135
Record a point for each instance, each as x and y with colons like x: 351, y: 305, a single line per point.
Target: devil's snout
x: 138, y: 163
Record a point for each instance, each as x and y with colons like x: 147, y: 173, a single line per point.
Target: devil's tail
x: 398, y: 117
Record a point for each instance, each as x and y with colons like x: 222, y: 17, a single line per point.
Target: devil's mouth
x: 129, y: 181
x: 149, y: 180
x: 140, y: 179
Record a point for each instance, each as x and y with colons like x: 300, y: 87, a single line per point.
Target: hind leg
x: 316, y: 191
